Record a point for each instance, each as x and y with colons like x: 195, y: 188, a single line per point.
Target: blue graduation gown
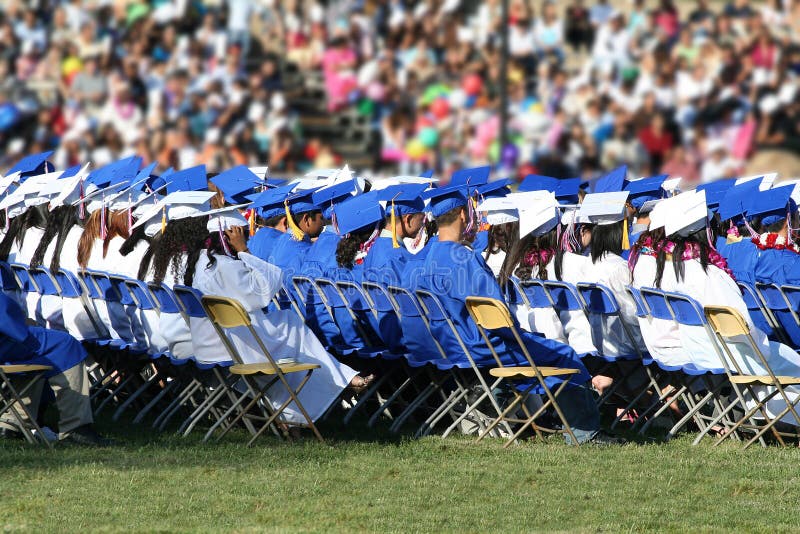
x: 385, y: 265
x: 415, y: 337
x: 319, y: 260
x: 288, y: 254
x: 262, y: 243
x: 453, y: 272
x: 365, y: 322
x: 480, y: 242
x: 33, y: 345
x: 742, y: 258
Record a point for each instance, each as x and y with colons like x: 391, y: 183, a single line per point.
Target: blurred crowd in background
x: 689, y: 89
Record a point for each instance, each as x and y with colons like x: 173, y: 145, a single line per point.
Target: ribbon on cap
x: 364, y: 248
x: 334, y: 220
x: 130, y: 214
x: 82, y: 208
x: 626, y: 242
x: 297, y: 233
x: 470, y: 215
x: 251, y: 220
x: 222, y: 238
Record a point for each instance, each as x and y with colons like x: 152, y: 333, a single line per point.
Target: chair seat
x: 529, y: 372
x: 21, y: 368
x: 765, y: 380
x: 269, y: 369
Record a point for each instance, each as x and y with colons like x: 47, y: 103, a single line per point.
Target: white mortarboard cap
x: 538, y: 211
x: 605, y: 208
x: 499, y: 210
x: 670, y: 185
x: 572, y: 215
x: 649, y: 206
x: 69, y: 189
x: 179, y: 205
x: 383, y: 183
x: 226, y: 218
x: 766, y: 180
x: 27, y: 192
x: 685, y: 213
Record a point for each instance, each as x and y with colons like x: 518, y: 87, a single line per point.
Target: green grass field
x: 371, y: 481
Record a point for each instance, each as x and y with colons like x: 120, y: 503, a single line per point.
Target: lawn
x: 372, y: 481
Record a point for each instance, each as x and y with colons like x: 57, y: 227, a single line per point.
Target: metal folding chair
x: 11, y: 398
x: 730, y: 327
x: 760, y: 314
x: 783, y: 311
x: 226, y: 313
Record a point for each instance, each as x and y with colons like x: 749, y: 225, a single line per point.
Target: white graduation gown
x: 495, y: 262
x: 570, y: 327
x: 23, y: 255
x: 172, y: 327
x: 253, y: 282
x: 713, y: 287
x: 609, y: 332
x: 128, y: 266
x: 115, y: 317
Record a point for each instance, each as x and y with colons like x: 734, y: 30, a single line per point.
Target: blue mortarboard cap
x: 567, y: 189
x: 236, y: 183
x: 733, y: 204
x: 644, y: 190
x: 302, y: 201
x: 270, y: 202
x: 407, y: 198
x: 536, y: 182
x: 326, y: 197
x: 472, y: 177
x: 613, y: 181
x: 771, y: 205
x: 146, y: 172
x: 70, y: 172
x: 275, y: 182
x: 498, y: 188
x: 444, y: 199
x: 33, y: 165
x: 168, y: 172
x: 191, y: 179
x: 115, y: 172
x: 426, y: 174
x: 362, y: 211
x: 715, y: 192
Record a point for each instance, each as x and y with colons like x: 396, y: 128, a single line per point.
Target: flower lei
x: 538, y: 257
x: 690, y: 252
x: 772, y: 240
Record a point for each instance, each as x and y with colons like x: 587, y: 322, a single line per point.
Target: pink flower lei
x: 690, y: 252
x: 538, y: 257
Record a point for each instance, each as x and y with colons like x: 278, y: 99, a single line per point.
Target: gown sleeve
x: 251, y: 281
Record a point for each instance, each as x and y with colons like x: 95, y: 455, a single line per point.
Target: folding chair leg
x: 161, y: 394
x: 138, y: 393
x: 384, y: 407
x: 13, y: 398
x: 365, y: 396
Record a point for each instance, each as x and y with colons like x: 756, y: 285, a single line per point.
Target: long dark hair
x: 181, y: 235
x: 134, y: 239
x: 55, y: 223
x: 515, y: 259
x: 698, y: 238
x: 18, y: 227
x: 502, y: 237
x: 606, y: 238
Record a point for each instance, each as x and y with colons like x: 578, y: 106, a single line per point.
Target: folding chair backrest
x: 727, y: 322
x: 514, y: 293
x: 282, y: 299
x: 165, y: 299
x: 120, y: 286
x: 44, y: 281
x: 488, y: 313
x: 536, y: 294
x: 685, y: 310
x: 7, y: 277
x: 407, y: 305
x: 190, y: 300
x: 597, y: 299
x: 224, y: 311
x: 353, y: 296
x: 107, y: 289
x: 758, y: 312
x: 92, y: 291
x: 332, y: 295
x: 636, y: 295
x: 68, y: 283
x: 304, y: 288
x: 563, y: 295
x: 24, y: 279
x: 779, y: 306
x: 433, y: 309
x: 379, y: 298
x: 656, y: 303
x: 141, y: 294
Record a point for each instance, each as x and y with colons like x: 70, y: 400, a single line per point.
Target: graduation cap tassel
x: 626, y: 243
x: 103, y: 232
x: 335, y: 221
x: 130, y: 214
x: 251, y: 219
x: 297, y: 233
x: 393, y: 222
x: 163, y: 219
x: 82, y: 208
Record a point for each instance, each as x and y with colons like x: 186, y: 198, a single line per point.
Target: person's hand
x: 237, y: 238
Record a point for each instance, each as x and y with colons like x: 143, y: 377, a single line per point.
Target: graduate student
x: 771, y: 256
x: 500, y: 214
x: 679, y: 259
x: 453, y: 272
x: 271, y: 219
x: 304, y: 222
x: 225, y: 267
x: 642, y: 196
x: 32, y: 345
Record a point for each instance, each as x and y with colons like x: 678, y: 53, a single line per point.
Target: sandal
x: 360, y: 383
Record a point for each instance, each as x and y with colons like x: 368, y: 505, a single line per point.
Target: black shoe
x: 10, y: 433
x: 604, y: 439
x: 86, y: 435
